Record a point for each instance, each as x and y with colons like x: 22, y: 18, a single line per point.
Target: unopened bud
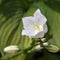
x: 53, y: 48
x: 43, y: 39
x: 38, y: 47
x: 45, y: 44
x: 11, y: 49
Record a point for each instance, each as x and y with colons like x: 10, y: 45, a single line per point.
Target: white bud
x: 43, y: 39
x: 53, y: 48
x: 38, y: 47
x: 45, y: 44
x: 11, y: 49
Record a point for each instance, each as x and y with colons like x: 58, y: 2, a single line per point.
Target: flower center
x: 37, y: 27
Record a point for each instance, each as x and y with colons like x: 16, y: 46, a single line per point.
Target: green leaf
x: 11, y: 25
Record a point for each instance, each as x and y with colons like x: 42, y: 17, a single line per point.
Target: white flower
x: 35, y: 26
x: 11, y: 49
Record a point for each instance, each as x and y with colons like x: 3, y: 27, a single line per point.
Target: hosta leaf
x: 11, y: 25
x: 22, y: 57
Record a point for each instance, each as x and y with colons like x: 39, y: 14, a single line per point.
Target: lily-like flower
x: 11, y: 49
x: 35, y: 26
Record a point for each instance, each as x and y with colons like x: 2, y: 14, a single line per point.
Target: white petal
x: 37, y: 13
x: 11, y: 49
x: 45, y: 28
x: 39, y: 17
x: 27, y: 21
x: 39, y: 35
x: 42, y: 33
x: 29, y: 33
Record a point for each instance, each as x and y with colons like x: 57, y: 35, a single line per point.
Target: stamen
x: 37, y: 27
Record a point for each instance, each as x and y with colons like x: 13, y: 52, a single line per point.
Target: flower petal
x: 27, y: 21
x: 45, y: 28
x: 37, y: 13
x: 39, y: 17
x: 29, y: 33
x: 39, y: 35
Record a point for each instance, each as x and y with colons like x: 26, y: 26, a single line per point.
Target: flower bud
x: 38, y: 47
x: 45, y: 44
x: 53, y: 48
x: 11, y: 49
x: 43, y: 39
